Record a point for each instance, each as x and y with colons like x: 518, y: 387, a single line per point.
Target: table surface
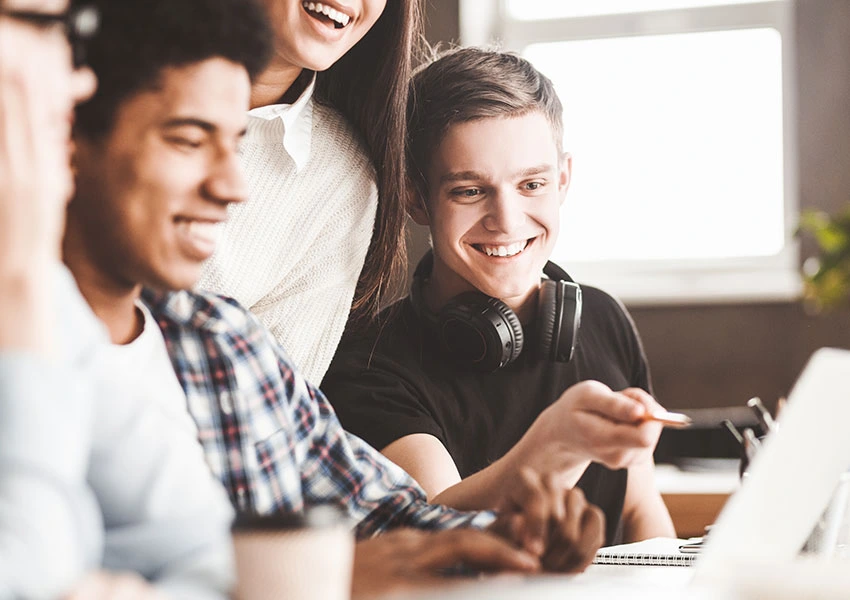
x: 695, y: 498
x: 824, y: 580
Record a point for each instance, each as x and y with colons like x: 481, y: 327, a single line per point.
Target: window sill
x: 697, y: 287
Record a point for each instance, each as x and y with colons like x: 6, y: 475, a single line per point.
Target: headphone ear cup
x: 513, y: 325
x: 548, y: 330
x: 481, y: 331
x: 558, y: 318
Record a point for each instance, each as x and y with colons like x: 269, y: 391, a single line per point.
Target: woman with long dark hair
x: 323, y: 233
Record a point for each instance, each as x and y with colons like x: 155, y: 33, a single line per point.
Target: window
x: 679, y: 120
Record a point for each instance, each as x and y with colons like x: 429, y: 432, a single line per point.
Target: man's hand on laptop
x: 407, y: 558
x: 551, y: 521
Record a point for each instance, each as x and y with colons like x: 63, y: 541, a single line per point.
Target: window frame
x: 751, y: 279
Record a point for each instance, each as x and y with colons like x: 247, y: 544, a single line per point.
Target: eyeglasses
x: 80, y: 24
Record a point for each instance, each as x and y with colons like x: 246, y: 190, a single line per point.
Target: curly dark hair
x: 140, y: 38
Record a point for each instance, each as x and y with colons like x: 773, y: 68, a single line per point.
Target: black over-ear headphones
x: 483, y: 332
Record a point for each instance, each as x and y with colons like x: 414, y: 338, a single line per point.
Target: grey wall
x: 720, y: 355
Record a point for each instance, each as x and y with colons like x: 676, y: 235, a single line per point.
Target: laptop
x: 764, y: 524
x: 793, y: 476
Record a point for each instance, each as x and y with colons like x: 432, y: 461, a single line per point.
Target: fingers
x: 528, y: 505
x: 643, y: 398
x: 569, y: 528
x: 616, y: 407
x: 592, y: 538
x: 407, y: 559
x: 611, y: 426
x: 574, y: 529
x: 616, y: 444
x: 577, y: 537
x: 626, y: 406
x: 597, y: 398
x: 34, y: 174
x: 473, y: 548
x: 511, y: 526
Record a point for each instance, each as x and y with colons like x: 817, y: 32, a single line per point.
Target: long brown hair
x: 369, y: 86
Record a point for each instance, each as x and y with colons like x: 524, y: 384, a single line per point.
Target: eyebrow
x: 189, y: 122
x: 208, y: 127
x: 475, y: 175
x: 537, y: 170
x: 460, y: 176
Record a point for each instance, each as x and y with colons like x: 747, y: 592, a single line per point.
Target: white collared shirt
x: 297, y: 119
x: 294, y: 251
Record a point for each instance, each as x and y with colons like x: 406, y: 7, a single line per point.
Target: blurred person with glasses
x: 100, y: 496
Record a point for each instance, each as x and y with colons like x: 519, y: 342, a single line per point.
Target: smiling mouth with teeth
x: 326, y: 14
x: 503, y: 251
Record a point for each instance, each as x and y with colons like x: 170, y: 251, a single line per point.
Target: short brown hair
x: 467, y: 84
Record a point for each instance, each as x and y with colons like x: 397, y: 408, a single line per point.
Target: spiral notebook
x: 661, y: 552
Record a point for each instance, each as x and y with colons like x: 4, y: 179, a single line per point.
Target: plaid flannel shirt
x: 270, y: 437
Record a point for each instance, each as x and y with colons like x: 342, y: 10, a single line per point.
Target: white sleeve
x: 50, y: 531
x: 50, y: 526
x: 166, y: 517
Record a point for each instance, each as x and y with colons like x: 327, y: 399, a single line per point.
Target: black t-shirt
x: 394, y: 381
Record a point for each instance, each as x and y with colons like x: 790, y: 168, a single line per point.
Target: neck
x: 273, y: 83
x: 443, y: 285
x: 113, y: 301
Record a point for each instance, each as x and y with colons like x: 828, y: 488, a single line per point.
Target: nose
x: 505, y: 212
x: 83, y: 84
x: 226, y: 183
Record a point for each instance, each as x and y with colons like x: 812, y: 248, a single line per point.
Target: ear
x: 84, y: 151
x: 416, y: 207
x: 565, y: 175
x: 81, y: 151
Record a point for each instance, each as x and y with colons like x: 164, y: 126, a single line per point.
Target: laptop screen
x: 792, y: 477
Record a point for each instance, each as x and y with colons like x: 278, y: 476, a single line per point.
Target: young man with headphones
x: 497, y: 360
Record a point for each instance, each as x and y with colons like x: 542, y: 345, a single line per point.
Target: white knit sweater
x: 294, y: 251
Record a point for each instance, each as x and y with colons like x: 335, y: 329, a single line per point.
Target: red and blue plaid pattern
x: 272, y: 439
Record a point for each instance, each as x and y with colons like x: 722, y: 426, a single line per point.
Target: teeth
x: 338, y: 17
x: 509, y: 250
x: 205, y: 230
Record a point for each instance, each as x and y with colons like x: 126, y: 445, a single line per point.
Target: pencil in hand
x: 668, y: 419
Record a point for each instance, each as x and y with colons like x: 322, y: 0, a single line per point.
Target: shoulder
x: 333, y: 133
x: 608, y: 336
x: 597, y: 299
x: 389, y: 349
x: 78, y: 328
x: 601, y: 309
x: 213, y: 325
x: 394, y: 329
x: 205, y: 310
x: 606, y: 328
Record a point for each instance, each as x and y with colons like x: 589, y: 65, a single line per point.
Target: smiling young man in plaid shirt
x: 157, y: 167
